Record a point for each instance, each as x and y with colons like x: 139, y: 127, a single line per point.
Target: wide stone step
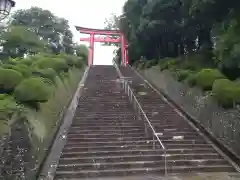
x: 108, y: 127
x: 137, y: 157
x: 107, y: 139
x: 122, y: 143
x: 94, y: 147
x: 105, y: 106
x: 177, y: 133
x: 122, y: 103
x: 123, y: 138
x: 81, y: 148
x: 80, y: 131
x: 106, y: 135
x: 140, y: 164
x: 102, y: 123
x: 138, y: 171
x: 103, y: 114
x: 103, y: 134
x: 136, y: 152
x: 174, y: 129
x: 108, y: 117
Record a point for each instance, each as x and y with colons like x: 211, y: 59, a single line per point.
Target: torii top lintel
x: 97, y: 31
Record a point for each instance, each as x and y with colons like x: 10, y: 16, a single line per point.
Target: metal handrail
x: 132, y: 97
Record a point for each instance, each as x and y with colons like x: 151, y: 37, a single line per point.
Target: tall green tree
x: 50, y: 28
x: 172, y: 28
x: 17, y: 41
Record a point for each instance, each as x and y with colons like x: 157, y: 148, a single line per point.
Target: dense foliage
x: 40, y: 68
x: 183, y: 36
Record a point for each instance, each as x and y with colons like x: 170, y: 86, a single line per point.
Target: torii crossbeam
x: 107, y: 39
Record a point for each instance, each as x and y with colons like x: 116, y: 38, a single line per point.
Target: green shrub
x: 56, y: 64
x: 9, y: 79
x: 72, y: 61
x: 151, y: 63
x: 8, y: 107
x: 135, y: 64
x: 141, y: 65
x: 7, y: 66
x: 206, y: 77
x: 3, y: 96
x: 64, y: 75
x: 191, y: 65
x: 27, y: 61
x: 183, y: 74
x: 13, y: 61
x: 191, y: 80
x: 78, y: 62
x: 148, y: 64
x: 168, y: 64
x: 226, y: 92
x: 48, y: 73
x: 33, y: 90
x: 23, y: 69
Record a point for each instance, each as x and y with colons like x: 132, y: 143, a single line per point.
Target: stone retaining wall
x: 221, y: 123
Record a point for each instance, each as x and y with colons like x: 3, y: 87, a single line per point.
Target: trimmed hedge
x: 183, y: 74
x: 33, y: 89
x: 9, y: 79
x: 8, y: 106
x: 191, y: 80
x: 23, y: 69
x: 168, y: 64
x: 151, y: 63
x: 206, y: 77
x: 226, y: 92
x: 56, y: 64
x: 48, y: 73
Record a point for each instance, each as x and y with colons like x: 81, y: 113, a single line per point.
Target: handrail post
x: 165, y: 162
x: 153, y: 142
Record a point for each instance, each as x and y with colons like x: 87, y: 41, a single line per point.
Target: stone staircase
x: 107, y: 139
x: 188, y: 149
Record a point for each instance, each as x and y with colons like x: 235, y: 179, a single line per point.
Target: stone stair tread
x: 79, y: 146
x: 140, y: 155
x: 141, y: 162
x: 139, y: 150
x: 141, y: 169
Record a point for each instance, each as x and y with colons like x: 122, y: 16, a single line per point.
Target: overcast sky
x: 87, y: 13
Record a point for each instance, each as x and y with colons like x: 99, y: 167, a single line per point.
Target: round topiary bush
x: 191, y: 80
x: 141, y: 65
x: 78, y: 62
x: 226, y: 92
x: 48, y: 73
x: 33, y: 90
x: 183, y: 74
x: 23, y: 69
x: 206, y: 77
x: 27, y: 61
x: 8, y: 107
x: 7, y: 66
x: 3, y: 96
x: 148, y: 64
x: 9, y: 79
x: 169, y: 64
x: 72, y: 61
x: 56, y: 64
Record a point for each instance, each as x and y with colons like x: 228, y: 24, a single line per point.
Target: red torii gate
x: 92, y: 32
